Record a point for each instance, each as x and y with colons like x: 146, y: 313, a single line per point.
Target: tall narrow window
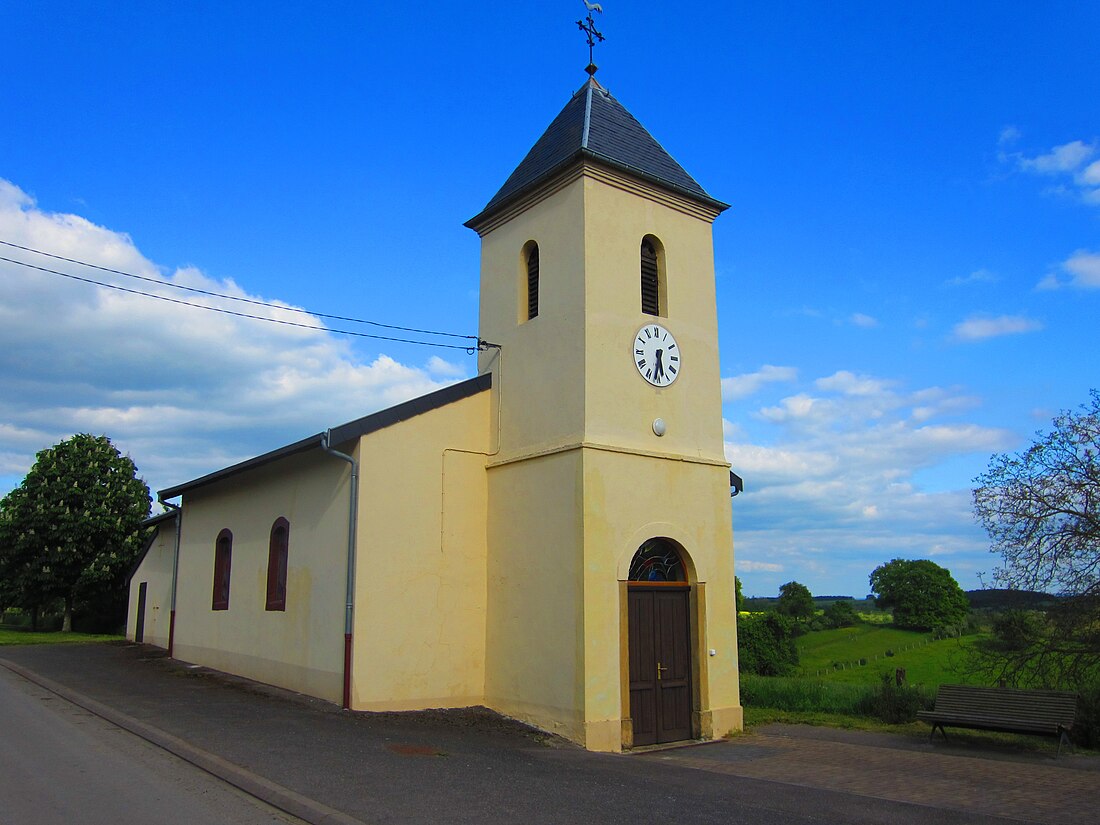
x: 533, y: 281
x: 278, y: 550
x: 651, y: 282
x: 223, y: 560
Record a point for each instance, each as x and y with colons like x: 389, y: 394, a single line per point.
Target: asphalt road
x: 60, y: 764
x: 472, y: 766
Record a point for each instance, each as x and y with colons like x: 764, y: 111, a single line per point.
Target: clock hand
x: 659, y: 367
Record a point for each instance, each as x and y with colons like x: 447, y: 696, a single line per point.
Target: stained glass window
x: 657, y: 561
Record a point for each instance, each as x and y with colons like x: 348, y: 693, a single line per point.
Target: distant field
x: 925, y: 662
x: 25, y: 637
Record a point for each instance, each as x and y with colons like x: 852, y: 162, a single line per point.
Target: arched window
x: 278, y: 549
x: 533, y: 281
x: 651, y: 277
x: 657, y: 560
x: 223, y: 561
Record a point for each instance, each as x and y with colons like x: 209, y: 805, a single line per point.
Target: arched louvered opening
x: 651, y: 278
x: 533, y: 281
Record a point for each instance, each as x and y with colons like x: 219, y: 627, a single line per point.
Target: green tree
x: 72, y: 529
x: 841, y: 613
x: 24, y: 580
x: 739, y: 597
x: 765, y: 645
x: 796, y: 601
x: 921, y: 594
x: 1041, y: 509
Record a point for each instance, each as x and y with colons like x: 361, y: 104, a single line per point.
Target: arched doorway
x: 659, y: 635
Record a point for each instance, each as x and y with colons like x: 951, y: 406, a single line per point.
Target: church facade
x: 552, y: 538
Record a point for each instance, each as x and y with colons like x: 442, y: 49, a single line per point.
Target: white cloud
x: 848, y: 383
x: 978, y: 276
x: 1080, y: 270
x: 1090, y: 175
x: 1009, y: 134
x: 791, y: 408
x: 741, y: 386
x: 445, y: 369
x: 1069, y: 164
x: 181, y: 390
x: 832, y: 487
x: 861, y: 320
x: 978, y: 328
x: 757, y: 566
x: 1065, y: 158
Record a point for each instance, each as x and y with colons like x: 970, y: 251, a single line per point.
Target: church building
x: 550, y: 539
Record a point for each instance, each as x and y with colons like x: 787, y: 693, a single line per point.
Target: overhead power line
x: 162, y: 283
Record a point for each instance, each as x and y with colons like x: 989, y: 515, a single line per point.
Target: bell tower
x: 597, y: 290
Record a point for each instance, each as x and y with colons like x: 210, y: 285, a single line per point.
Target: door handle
x: 659, y: 669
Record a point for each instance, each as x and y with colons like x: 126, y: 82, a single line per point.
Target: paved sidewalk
x: 325, y: 765
x: 1035, y: 788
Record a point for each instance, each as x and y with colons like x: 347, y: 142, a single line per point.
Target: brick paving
x: 1035, y: 789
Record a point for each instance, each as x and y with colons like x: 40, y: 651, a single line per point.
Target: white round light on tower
x: 658, y: 426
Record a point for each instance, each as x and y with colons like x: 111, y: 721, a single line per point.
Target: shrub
x: 886, y: 701
x: 765, y: 645
x: 893, y: 703
x: 1086, y: 725
x: 803, y: 695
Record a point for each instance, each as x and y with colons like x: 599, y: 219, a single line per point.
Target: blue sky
x: 908, y: 277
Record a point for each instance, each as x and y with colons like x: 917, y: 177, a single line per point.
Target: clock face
x: 656, y: 355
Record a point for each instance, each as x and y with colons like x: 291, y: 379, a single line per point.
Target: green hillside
x: 925, y: 661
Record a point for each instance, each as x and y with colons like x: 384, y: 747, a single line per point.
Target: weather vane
x: 588, y: 26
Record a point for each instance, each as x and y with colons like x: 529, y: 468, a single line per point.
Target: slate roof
x: 346, y: 432
x: 595, y: 125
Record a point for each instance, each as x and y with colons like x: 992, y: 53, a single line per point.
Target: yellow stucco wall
x: 421, y: 573
x: 300, y: 648
x: 534, y: 670
x: 619, y: 405
x: 539, y: 368
x: 156, y: 570
x: 581, y: 480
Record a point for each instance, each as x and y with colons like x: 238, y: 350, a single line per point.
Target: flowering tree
x: 72, y: 529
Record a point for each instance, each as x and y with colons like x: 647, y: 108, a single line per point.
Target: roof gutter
x: 175, y: 571
x: 349, y: 607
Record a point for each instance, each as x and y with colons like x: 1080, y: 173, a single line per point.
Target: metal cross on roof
x: 588, y: 26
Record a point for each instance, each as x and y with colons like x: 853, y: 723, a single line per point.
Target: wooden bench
x: 1043, y: 712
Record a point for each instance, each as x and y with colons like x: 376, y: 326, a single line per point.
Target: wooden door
x: 660, y: 664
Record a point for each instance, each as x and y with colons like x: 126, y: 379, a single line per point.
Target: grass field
x: 926, y: 662
x: 26, y: 637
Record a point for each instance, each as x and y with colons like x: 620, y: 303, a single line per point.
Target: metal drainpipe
x: 175, y: 572
x: 352, y: 527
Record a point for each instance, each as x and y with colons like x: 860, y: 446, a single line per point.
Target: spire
x: 594, y: 126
